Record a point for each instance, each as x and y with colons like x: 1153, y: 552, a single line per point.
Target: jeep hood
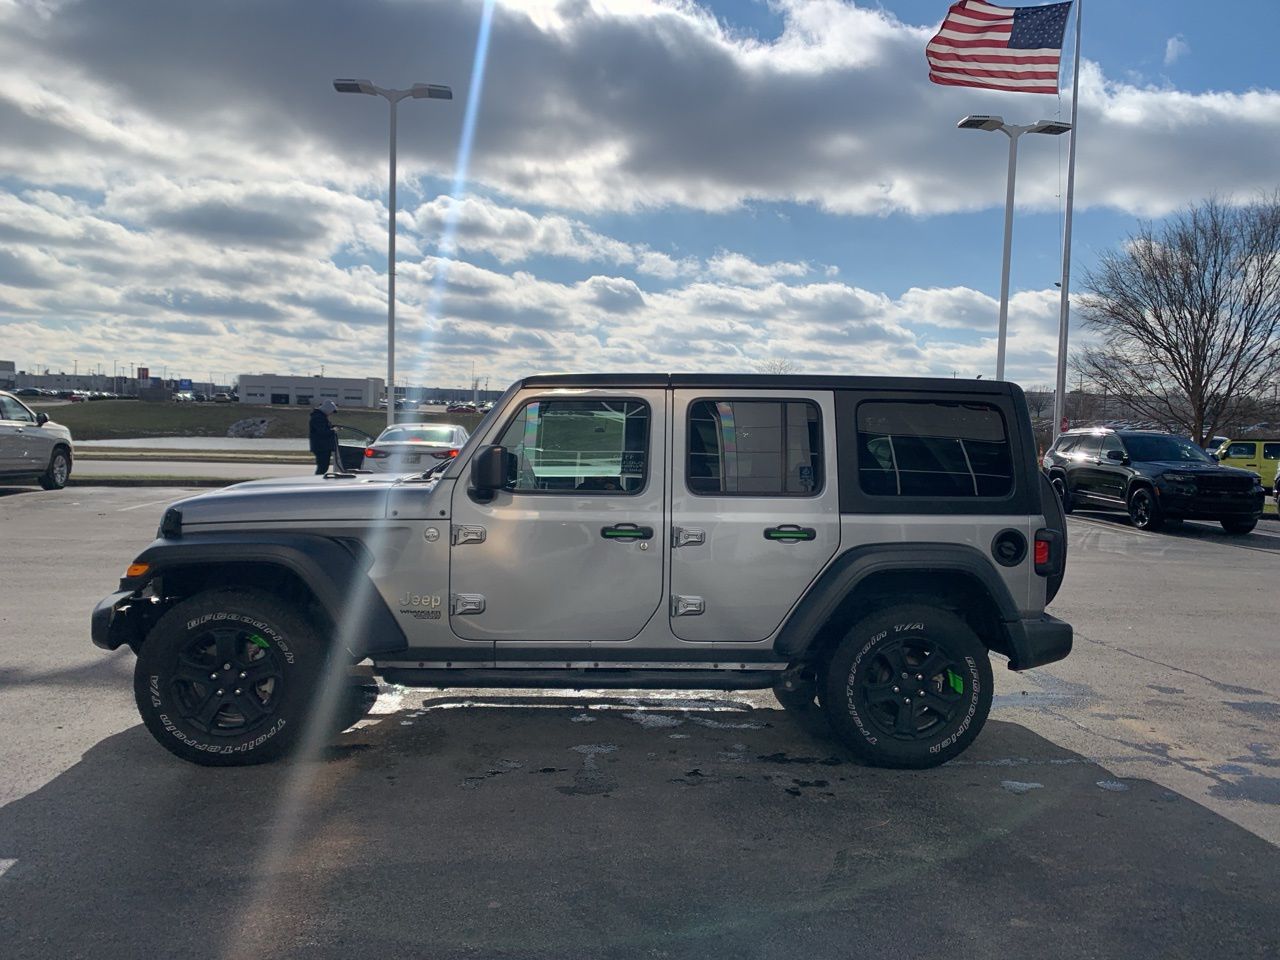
x: 312, y: 499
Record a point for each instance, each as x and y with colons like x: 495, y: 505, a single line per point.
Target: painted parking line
x: 5, y: 865
x: 149, y: 503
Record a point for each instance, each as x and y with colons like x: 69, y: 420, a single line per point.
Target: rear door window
x: 1271, y: 451
x: 933, y: 449
x: 755, y: 448
x: 1241, y: 451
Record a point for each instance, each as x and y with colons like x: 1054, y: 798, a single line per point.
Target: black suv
x: 1156, y: 477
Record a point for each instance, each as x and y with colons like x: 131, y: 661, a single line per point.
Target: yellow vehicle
x: 1260, y: 456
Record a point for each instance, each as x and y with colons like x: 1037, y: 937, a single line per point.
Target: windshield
x: 416, y: 434
x: 1165, y: 448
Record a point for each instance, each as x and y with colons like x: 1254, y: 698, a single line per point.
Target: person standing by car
x: 323, y: 439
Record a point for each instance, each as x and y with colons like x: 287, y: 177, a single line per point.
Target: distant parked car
x: 460, y: 408
x: 222, y: 398
x: 1158, y: 478
x: 1257, y: 456
x: 33, y: 449
x: 28, y: 392
x: 413, y: 447
x: 76, y: 397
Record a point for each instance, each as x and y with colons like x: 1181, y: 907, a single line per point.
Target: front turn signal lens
x: 136, y: 570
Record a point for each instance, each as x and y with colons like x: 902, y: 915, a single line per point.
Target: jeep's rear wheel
x: 908, y: 686
x: 226, y: 678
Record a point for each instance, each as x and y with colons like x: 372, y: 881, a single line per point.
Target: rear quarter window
x: 933, y: 449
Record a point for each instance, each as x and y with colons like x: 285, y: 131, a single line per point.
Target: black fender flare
x: 332, y: 568
x: 852, y: 568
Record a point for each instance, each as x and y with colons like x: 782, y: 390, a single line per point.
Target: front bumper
x: 1038, y: 641
x: 1212, y: 506
x: 116, y: 621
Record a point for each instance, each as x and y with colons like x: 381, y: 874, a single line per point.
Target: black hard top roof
x: 765, y: 381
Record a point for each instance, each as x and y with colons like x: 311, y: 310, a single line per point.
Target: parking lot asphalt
x: 1122, y: 803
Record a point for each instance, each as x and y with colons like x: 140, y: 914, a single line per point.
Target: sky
x: 643, y: 184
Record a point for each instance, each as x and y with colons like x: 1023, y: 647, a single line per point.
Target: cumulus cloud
x: 182, y: 179
x: 587, y: 107
x: 1175, y: 48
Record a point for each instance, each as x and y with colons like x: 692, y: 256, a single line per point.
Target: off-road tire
x: 1238, y: 528
x: 229, y: 626
x: 931, y: 649
x: 1144, y: 510
x: 58, y: 472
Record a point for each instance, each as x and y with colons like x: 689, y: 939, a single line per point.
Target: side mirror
x: 490, y: 470
x: 41, y: 419
x: 1117, y: 455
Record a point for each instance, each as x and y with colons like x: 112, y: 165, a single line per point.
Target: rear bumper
x: 1038, y: 641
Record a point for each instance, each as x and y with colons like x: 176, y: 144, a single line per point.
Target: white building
x: 268, y: 389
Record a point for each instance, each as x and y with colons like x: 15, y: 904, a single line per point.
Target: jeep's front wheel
x: 226, y: 678
x: 909, y: 686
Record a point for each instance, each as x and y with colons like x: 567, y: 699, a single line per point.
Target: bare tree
x: 1189, y: 315
x: 778, y: 366
x: 1039, y: 399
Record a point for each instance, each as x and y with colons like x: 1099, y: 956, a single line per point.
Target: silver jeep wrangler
x: 858, y: 544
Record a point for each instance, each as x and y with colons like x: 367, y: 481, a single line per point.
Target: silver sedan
x: 414, y: 447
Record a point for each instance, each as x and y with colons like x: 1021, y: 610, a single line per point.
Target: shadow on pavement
x: 557, y: 827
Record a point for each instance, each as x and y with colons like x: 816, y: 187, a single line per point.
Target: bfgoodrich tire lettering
x: 908, y: 686
x: 226, y: 678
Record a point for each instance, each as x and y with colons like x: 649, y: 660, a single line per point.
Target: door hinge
x: 684, y: 536
x: 461, y: 604
x: 467, y: 533
x: 687, y: 606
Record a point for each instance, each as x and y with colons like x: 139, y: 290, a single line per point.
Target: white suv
x: 32, y: 447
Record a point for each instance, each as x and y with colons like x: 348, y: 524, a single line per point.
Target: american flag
x: 1001, y: 48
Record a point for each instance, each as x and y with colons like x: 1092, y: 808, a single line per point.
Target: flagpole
x: 1064, y: 305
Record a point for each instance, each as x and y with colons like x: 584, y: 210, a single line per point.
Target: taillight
x: 1050, y: 552
x: 445, y: 454
x: 373, y: 454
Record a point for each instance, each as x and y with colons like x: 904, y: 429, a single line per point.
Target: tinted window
x: 412, y: 434
x: 568, y: 446
x: 1066, y: 444
x: 1151, y: 448
x: 757, y: 448
x: 933, y: 449
x: 1111, y: 442
x: 1271, y: 451
x: 1240, y: 450
x: 1089, y: 447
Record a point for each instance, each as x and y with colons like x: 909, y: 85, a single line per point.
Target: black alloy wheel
x: 228, y: 677
x: 908, y: 686
x: 1144, y: 511
x: 228, y: 680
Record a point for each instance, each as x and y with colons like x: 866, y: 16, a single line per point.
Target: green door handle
x: 790, y: 533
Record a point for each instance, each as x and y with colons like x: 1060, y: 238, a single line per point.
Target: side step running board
x: 584, y: 679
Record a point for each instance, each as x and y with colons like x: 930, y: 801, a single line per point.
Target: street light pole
x: 419, y: 91
x: 1013, y: 131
